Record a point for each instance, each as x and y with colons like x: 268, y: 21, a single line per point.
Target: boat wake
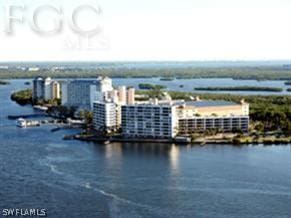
x: 116, y: 202
x: 52, y: 167
x: 115, y: 197
x: 115, y: 207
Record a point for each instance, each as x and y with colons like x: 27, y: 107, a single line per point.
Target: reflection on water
x: 174, y: 156
x: 115, y: 152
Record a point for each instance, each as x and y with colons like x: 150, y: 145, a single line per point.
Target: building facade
x: 79, y: 93
x: 38, y: 88
x: 224, y: 124
x: 104, y: 116
x: 130, y: 96
x: 56, y: 90
x: 83, y: 93
x: 198, y: 116
x: 48, y: 89
x: 149, y: 120
x: 122, y: 95
x: 169, y: 118
x: 45, y: 89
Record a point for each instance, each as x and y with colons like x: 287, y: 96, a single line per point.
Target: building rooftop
x: 210, y: 103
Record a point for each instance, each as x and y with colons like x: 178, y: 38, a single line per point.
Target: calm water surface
x: 74, y: 179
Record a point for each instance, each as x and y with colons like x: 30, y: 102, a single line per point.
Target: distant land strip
x: 240, y: 88
x: 237, y: 73
x: 4, y: 82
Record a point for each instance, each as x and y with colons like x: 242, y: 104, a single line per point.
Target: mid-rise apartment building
x: 104, y: 116
x: 225, y: 124
x: 197, y: 116
x: 166, y: 120
x: 149, y: 120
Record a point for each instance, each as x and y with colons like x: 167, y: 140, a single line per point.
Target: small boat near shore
x: 22, y: 123
x: 40, y: 108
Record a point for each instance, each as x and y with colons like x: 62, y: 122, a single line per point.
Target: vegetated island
x: 22, y: 97
x: 288, y: 90
x: 147, y: 86
x: 288, y: 83
x: 2, y: 82
x: 167, y: 79
x: 276, y: 72
x: 55, y: 109
x: 240, y: 88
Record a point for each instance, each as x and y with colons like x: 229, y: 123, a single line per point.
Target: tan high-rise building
x: 130, y: 96
x: 122, y: 94
x: 56, y: 90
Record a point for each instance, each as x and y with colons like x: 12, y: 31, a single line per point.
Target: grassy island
x: 23, y: 97
x: 147, y: 86
x: 241, y: 88
x: 166, y: 79
x: 288, y: 83
x: 4, y: 82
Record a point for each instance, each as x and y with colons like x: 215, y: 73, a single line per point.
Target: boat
x: 40, y: 108
x: 21, y: 123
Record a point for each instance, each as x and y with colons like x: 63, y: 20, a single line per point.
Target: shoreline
x: 107, y: 140
x: 256, y: 136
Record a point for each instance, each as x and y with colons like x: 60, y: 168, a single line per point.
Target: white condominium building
x: 166, y: 119
x: 104, y: 116
x: 47, y: 89
x: 149, y: 120
x: 82, y: 93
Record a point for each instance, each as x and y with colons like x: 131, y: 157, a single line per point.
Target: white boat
x: 27, y: 123
x: 21, y: 123
x: 41, y: 108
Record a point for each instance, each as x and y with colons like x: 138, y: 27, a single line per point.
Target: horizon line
x: 147, y: 61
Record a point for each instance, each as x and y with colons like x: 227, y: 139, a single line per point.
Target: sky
x: 152, y: 30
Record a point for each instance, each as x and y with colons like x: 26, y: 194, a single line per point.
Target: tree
x: 87, y: 116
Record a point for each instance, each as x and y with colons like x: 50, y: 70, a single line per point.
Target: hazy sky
x: 156, y: 30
